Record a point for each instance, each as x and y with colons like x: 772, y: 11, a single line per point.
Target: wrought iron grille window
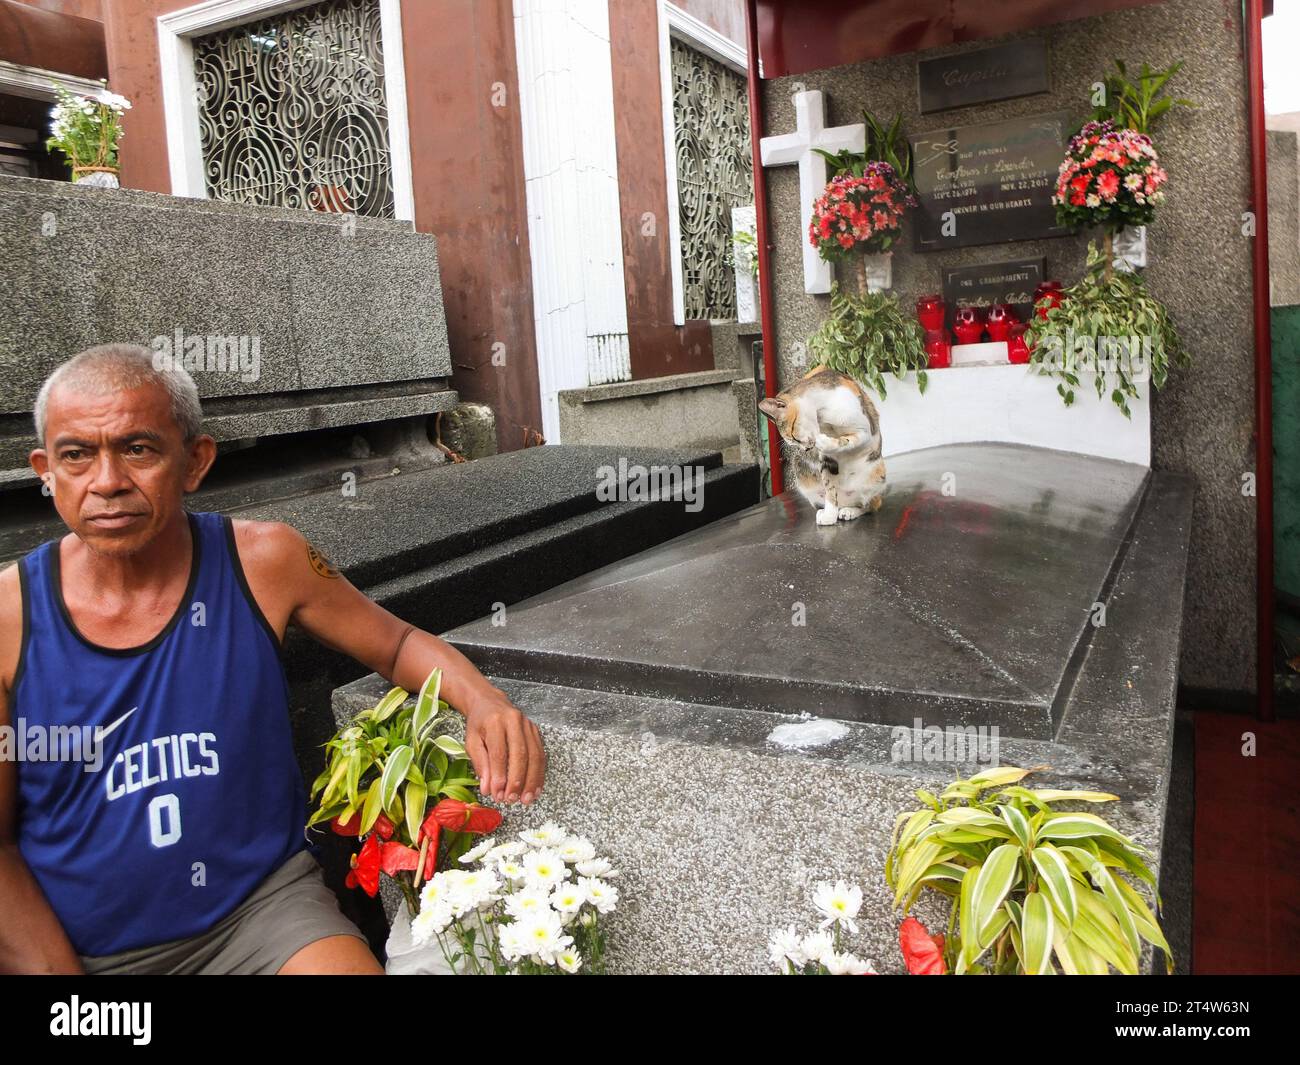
x: 292, y: 110
x: 714, y: 174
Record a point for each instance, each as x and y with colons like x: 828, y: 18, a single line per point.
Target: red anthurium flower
x: 351, y: 827
x: 463, y: 817
x: 384, y: 827
x: 396, y: 857
x: 365, y: 867
x: 922, y: 952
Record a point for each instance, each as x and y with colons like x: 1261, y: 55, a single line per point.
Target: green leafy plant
x: 866, y: 336
x: 1031, y: 888
x: 742, y: 252
x: 1136, y: 105
x: 1110, y: 324
x: 87, y: 129
x: 387, y: 768
x: 884, y: 144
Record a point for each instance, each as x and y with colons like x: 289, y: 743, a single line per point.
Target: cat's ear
x: 773, y: 407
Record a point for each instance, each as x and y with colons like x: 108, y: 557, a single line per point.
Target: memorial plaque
x: 989, y: 283
x: 996, y: 179
x: 1017, y: 68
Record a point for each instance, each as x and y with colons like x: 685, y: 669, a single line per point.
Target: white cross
x: 797, y: 147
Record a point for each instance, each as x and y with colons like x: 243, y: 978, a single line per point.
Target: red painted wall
x: 657, y: 346
x: 467, y: 167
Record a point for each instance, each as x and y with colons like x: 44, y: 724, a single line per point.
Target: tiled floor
x: 1246, y: 916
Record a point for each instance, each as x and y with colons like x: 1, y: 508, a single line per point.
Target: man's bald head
x: 111, y: 368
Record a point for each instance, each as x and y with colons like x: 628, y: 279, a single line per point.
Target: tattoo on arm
x: 321, y: 564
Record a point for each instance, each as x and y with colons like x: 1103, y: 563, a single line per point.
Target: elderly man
x: 162, y: 628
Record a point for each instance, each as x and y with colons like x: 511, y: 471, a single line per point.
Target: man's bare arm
x: 504, y: 746
x: 31, y: 938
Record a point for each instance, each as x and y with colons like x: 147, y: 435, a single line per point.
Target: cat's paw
x: 849, y: 513
x: 827, y: 516
x: 826, y: 443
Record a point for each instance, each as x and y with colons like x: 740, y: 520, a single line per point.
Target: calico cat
x: 833, y: 435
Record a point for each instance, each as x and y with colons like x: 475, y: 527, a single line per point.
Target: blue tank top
x: 197, y: 796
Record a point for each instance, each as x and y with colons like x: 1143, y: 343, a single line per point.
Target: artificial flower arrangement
x: 822, y: 952
x: 409, y: 793
x: 1111, y: 175
x: 87, y: 129
x: 861, y: 210
x: 1031, y: 888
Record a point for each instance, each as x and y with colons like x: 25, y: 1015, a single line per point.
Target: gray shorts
x: 290, y: 909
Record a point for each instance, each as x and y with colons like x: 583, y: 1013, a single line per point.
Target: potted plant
x: 87, y: 130
x: 1111, y: 175
x: 1108, y: 324
x: 866, y: 336
x: 859, y: 215
x: 1031, y: 888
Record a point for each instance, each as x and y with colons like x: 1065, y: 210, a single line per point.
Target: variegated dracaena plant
x: 1032, y: 889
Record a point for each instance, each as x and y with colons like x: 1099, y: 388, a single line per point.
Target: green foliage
x: 392, y: 760
x: 1112, y: 325
x: 1137, y: 105
x: 87, y: 129
x: 883, y: 145
x: 743, y: 249
x: 1031, y: 888
x: 867, y: 336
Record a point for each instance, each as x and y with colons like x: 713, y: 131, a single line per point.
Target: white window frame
x: 176, y: 33
x: 34, y: 83
x: 674, y: 22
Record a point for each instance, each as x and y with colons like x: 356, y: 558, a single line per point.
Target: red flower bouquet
x: 859, y: 215
x: 1110, y: 177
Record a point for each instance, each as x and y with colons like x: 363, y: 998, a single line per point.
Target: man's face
x: 118, y: 466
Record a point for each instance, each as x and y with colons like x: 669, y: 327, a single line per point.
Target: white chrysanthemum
x: 470, y: 889
x: 542, y: 935
x: 429, y: 922
x: 600, y: 894
x: 839, y: 903
x: 597, y: 867
x: 545, y: 868
x: 569, y: 960
x: 846, y: 965
x: 549, y: 835
x: 568, y: 899
x: 577, y: 849
x: 434, y: 891
x: 511, y: 869
x: 785, y: 948
x: 528, y: 901
x: 113, y: 100
x: 502, y: 850
x: 510, y: 941
x: 476, y: 852
x: 817, y: 946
